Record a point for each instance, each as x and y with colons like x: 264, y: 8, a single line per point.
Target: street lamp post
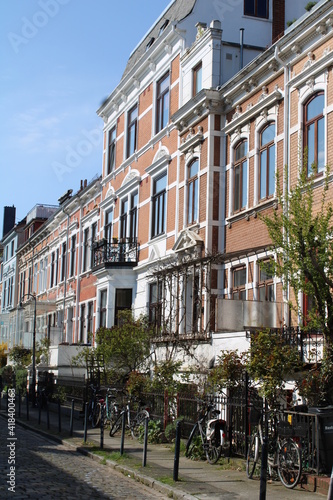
x: 33, y: 391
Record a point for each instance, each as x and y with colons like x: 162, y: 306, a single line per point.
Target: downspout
x: 286, y: 154
x: 241, y: 43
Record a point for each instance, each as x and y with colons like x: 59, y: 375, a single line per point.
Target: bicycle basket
x: 301, y: 429
x: 285, y: 429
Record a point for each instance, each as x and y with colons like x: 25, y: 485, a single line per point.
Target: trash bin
x: 325, y: 432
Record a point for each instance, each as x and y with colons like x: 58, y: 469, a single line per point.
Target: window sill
x: 253, y: 211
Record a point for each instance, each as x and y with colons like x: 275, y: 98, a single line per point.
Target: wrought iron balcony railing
x: 122, y: 252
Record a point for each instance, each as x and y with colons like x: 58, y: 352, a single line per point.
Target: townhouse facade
x: 194, y: 134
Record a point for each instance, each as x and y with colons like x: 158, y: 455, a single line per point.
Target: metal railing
x: 118, y: 252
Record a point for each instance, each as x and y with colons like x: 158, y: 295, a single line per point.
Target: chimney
x: 279, y: 20
x: 9, y: 215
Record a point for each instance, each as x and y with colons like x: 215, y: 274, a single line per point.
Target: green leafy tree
x: 20, y: 356
x: 126, y: 346
x: 271, y: 362
x: 228, y: 373
x: 302, y: 234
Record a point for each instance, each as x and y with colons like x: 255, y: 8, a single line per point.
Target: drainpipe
x: 286, y: 145
x: 241, y: 43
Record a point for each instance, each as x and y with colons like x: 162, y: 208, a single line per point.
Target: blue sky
x: 59, y: 60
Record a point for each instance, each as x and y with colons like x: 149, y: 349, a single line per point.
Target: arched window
x: 267, y: 161
x: 192, y: 203
x: 314, y: 134
x: 240, y: 170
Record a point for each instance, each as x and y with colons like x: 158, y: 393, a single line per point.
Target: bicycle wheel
x: 116, y: 425
x: 252, y: 455
x: 96, y: 414
x: 289, y: 463
x: 138, y: 423
x: 213, y: 451
x: 192, y: 441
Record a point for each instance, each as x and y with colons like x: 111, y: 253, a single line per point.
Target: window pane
x: 198, y: 79
x: 271, y: 171
x: 241, y: 150
x: 263, y: 173
x: 268, y: 135
x: 190, y: 203
x: 321, y: 146
x: 237, y: 188
x: 315, y: 107
x: 262, y: 8
x: 195, y: 204
x: 311, y: 147
x: 249, y: 7
x: 239, y: 277
x: 160, y: 184
x: 193, y: 169
x: 244, y: 184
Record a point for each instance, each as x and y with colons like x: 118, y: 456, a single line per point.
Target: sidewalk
x: 197, y: 479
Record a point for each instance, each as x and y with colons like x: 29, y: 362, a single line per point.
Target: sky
x: 59, y: 60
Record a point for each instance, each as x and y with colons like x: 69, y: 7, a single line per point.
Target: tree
x: 228, y: 373
x: 3, y: 354
x: 126, y: 346
x: 270, y: 363
x: 302, y: 234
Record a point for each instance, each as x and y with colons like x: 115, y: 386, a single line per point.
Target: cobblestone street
x: 47, y: 470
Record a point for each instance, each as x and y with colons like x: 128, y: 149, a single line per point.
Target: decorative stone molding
x: 321, y: 29
x: 191, y: 140
x: 201, y: 28
x: 273, y: 66
x: 309, y: 62
x: 296, y: 49
x: 136, y: 83
x: 266, y: 102
x: 264, y: 93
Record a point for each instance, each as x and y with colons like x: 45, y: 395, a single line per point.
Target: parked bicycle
x: 111, y: 406
x: 94, y: 407
x: 284, y: 456
x: 210, y: 432
x: 133, y: 423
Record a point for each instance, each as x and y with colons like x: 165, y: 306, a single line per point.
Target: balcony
x: 118, y: 253
x: 239, y: 315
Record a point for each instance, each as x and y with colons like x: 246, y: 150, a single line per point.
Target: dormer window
x: 150, y: 43
x: 163, y: 26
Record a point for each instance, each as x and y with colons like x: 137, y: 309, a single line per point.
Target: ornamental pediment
x: 187, y: 241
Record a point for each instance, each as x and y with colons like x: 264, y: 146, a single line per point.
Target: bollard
x: 71, y: 420
x: 27, y: 401
x: 47, y: 414
x: 263, y: 472
x: 145, y: 443
x: 123, y: 424
x: 59, y: 415
x: 39, y: 410
x: 85, y: 422
x: 19, y: 403
x: 177, y: 451
x: 102, y: 427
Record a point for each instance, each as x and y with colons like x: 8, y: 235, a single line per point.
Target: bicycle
x: 94, y: 408
x: 111, y: 406
x: 132, y: 423
x: 284, y: 455
x: 212, y: 433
